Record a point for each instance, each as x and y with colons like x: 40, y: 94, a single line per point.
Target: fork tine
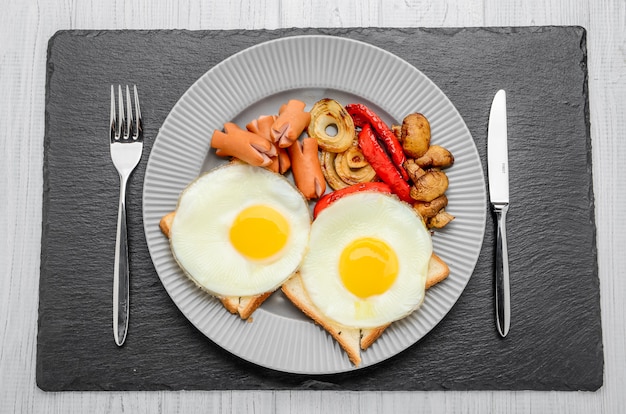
x: 138, y: 124
x: 129, y: 114
x: 112, y: 124
x: 121, y: 119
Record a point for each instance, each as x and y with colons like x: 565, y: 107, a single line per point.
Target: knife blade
x: 498, y: 171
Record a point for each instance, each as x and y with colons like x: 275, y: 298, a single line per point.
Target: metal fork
x: 126, y: 148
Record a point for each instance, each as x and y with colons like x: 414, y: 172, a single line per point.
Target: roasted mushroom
x: 397, y: 131
x: 440, y: 220
x: 429, y: 186
x: 435, y: 156
x: 413, y: 169
x: 430, y: 209
x: 415, y: 135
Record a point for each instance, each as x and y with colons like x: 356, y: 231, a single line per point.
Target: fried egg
x: 367, y: 261
x: 240, y: 230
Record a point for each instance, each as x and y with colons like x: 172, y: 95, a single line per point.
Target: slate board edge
x: 283, y: 32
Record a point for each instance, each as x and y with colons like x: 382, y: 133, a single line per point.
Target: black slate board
x: 555, y: 341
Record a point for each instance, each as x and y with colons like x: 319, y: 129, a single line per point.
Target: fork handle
x: 121, y: 271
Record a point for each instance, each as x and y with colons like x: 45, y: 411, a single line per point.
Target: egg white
x: 200, y: 231
x: 366, y: 215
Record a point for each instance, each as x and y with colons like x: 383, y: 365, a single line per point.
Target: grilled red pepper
x: 362, y: 115
x: 380, y: 162
x: 330, y: 198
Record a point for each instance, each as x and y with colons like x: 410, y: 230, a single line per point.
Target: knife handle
x: 503, y: 296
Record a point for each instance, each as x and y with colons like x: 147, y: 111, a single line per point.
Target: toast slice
x: 348, y: 338
x: 438, y: 270
x: 244, y: 306
x: 352, y: 340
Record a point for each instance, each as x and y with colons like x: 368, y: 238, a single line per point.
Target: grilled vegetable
x: 329, y: 113
x: 329, y: 198
x: 384, y: 167
x: 415, y: 135
x: 362, y: 116
x: 430, y: 186
x: 435, y: 156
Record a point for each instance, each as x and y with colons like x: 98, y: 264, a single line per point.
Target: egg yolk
x: 259, y: 232
x: 367, y: 267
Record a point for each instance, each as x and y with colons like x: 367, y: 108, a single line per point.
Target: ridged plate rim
x: 302, y: 63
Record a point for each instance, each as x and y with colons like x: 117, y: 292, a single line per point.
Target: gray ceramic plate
x: 256, y: 82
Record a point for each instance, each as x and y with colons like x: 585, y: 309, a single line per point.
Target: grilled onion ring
x: 328, y: 112
x: 352, y: 166
x: 346, y: 168
x: 327, y: 161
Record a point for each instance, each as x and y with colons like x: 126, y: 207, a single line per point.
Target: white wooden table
x: 25, y: 29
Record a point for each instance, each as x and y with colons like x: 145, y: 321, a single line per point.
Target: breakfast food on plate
x: 242, y: 144
x: 438, y: 270
x: 307, y: 172
x: 383, y: 165
x: 343, y: 162
x: 346, y: 168
x: 415, y: 135
x: 352, y: 340
x: 435, y: 156
x: 267, y: 143
x: 165, y: 224
x: 243, y: 230
x: 291, y: 121
x: 328, y: 113
x: 330, y: 198
x: 429, y: 186
x: 363, y: 116
x: 242, y: 305
x: 352, y: 167
x: 367, y: 260
x: 425, y: 170
x: 262, y: 126
x: 239, y: 231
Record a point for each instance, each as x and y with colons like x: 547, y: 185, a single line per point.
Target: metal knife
x: 498, y: 169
